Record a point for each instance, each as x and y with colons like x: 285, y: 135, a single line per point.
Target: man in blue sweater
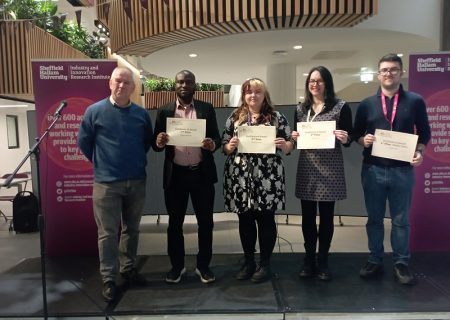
x: 115, y: 135
x: 387, y: 180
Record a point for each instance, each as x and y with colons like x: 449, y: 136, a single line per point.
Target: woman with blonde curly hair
x: 254, y: 184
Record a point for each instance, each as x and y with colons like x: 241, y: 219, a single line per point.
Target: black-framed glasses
x: 385, y: 71
x: 315, y: 82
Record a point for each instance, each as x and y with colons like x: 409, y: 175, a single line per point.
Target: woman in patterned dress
x: 320, y: 172
x: 254, y: 182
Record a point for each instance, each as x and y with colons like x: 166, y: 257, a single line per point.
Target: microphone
x: 61, y: 106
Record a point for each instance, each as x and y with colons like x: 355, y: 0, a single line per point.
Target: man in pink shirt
x: 188, y: 171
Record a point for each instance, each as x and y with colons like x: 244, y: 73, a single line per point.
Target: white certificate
x: 316, y: 135
x: 394, y: 145
x: 256, y: 139
x: 186, y: 132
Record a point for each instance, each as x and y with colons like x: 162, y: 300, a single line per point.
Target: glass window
x: 12, y: 132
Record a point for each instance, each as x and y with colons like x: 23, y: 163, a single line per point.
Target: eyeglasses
x: 385, y: 71
x: 315, y: 82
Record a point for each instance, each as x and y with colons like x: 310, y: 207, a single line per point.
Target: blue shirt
x: 116, y: 140
x: 411, y: 117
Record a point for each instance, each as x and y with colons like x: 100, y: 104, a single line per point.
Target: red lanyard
x: 394, y: 108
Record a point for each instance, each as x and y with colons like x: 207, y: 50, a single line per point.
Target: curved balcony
x: 139, y: 31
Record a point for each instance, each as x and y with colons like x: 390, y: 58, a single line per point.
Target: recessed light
x: 366, y: 77
x: 298, y: 47
x: 400, y: 54
x: 279, y: 53
x: 305, y: 74
x: 192, y: 55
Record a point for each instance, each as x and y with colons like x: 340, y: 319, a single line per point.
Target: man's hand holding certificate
x: 256, y: 139
x: 316, y: 135
x: 186, y: 132
x: 394, y: 145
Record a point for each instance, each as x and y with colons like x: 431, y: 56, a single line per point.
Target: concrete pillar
x: 281, y: 83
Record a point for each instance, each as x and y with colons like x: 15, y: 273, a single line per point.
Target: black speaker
x: 25, y: 212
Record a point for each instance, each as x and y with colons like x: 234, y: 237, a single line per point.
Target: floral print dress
x: 255, y: 181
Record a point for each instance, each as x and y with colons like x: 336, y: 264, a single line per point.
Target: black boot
x: 323, y: 272
x: 248, y: 268
x: 309, y: 266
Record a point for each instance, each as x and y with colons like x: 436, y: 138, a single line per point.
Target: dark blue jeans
x: 394, y: 185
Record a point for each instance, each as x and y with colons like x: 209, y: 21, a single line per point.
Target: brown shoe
x: 109, y: 291
x: 403, y: 275
x: 134, y: 278
x: 261, y: 274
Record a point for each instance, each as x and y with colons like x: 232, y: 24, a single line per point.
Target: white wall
x: 10, y: 158
x: 417, y: 17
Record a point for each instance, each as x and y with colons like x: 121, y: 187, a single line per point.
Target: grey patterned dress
x: 255, y: 181
x: 320, y: 172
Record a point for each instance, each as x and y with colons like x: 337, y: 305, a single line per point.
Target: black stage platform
x: 73, y: 288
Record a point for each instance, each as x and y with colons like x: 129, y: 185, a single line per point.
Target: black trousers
x: 309, y: 226
x: 266, y: 233
x: 185, y: 183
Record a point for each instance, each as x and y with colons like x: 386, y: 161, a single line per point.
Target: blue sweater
x: 411, y: 117
x: 116, y: 141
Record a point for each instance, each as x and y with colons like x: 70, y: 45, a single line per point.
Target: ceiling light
x: 305, y: 74
x: 298, y: 47
x: 366, y: 77
x: 400, y: 54
x: 192, y: 55
x: 279, y: 53
x: 102, y: 33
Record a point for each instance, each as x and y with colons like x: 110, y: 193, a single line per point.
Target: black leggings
x: 309, y: 226
x: 267, y: 232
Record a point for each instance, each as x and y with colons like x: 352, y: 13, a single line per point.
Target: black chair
x: 22, y: 175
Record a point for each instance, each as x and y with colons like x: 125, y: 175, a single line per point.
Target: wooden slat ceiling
x: 163, y: 25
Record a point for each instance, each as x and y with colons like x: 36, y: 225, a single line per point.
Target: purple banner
x: 429, y: 76
x: 65, y: 174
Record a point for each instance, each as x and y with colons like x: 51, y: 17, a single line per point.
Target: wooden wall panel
x: 20, y: 43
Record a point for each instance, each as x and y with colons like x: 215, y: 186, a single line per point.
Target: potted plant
x: 160, y: 91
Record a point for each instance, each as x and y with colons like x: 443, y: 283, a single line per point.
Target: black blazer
x: 204, y: 110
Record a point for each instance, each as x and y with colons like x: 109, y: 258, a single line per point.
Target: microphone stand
x: 41, y: 221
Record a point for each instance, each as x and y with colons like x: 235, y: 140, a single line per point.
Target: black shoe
x: 261, y: 274
x: 403, y: 275
x: 109, y: 291
x: 324, y: 274
x: 309, y: 268
x: 174, y: 275
x: 205, y: 274
x: 371, y: 270
x: 247, y: 271
x: 134, y: 278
